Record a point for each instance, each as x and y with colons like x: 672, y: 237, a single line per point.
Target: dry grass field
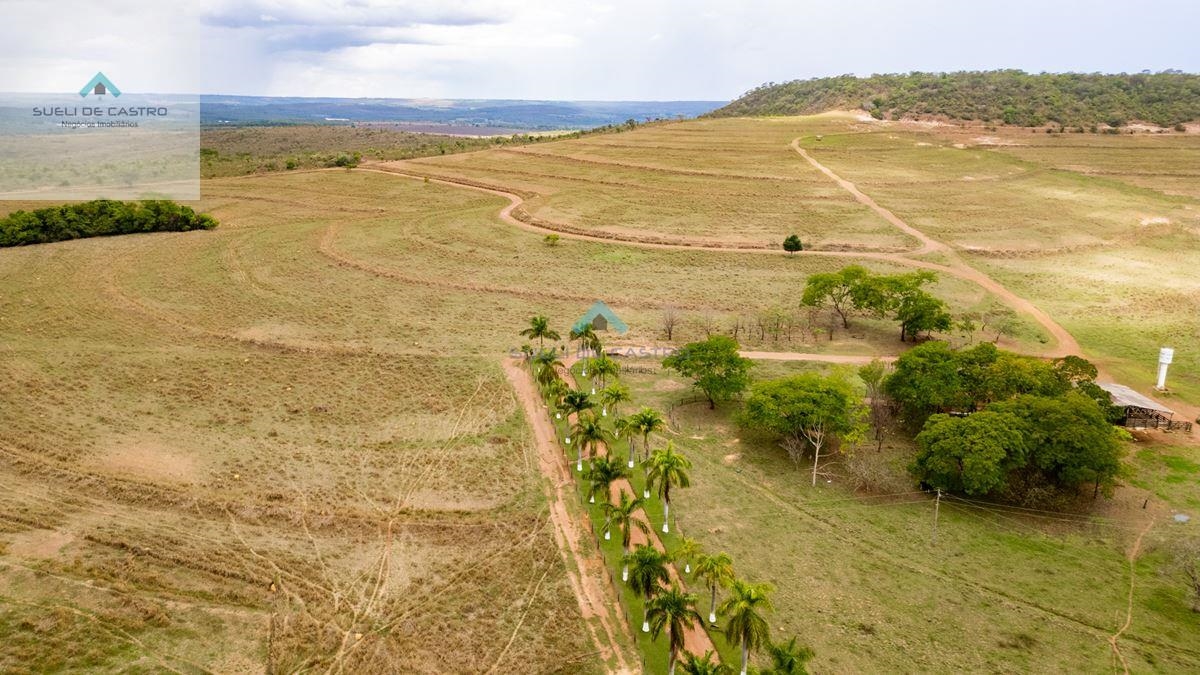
x: 288, y: 442
x: 228, y: 452
x: 712, y: 181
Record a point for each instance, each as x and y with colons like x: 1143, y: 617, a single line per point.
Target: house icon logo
x: 601, y: 317
x: 99, y: 86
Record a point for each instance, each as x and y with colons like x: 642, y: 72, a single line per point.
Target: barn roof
x: 1125, y: 397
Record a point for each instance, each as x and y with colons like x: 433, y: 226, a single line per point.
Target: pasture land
x: 248, y: 447
x: 1086, y: 233
x: 1002, y: 589
x: 231, y: 452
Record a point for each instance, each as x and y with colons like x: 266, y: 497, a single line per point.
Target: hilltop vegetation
x: 99, y: 218
x: 1003, y: 96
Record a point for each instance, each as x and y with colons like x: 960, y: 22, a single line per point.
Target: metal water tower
x: 1165, y: 356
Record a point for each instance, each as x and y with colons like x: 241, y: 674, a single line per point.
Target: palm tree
x: 603, y: 367
x: 667, y: 469
x: 746, y: 626
x: 624, y: 426
x: 674, y: 610
x: 545, y: 366
x: 589, y: 434
x: 574, y: 402
x: 623, y: 515
x: 647, y: 574
x: 612, y: 396
x: 603, y: 472
x: 788, y: 658
x: 587, y: 339
x: 687, y: 550
x: 539, y: 327
x: 647, y: 421
x: 704, y: 665
x: 554, y: 393
x: 716, y: 571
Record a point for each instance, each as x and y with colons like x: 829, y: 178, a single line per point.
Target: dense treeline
x: 99, y: 218
x: 1002, y: 97
x: 997, y: 423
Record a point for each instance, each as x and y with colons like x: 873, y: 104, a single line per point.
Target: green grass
x: 1001, y: 590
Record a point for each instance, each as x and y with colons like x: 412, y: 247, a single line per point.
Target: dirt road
x: 597, y: 599
x: 1065, y: 344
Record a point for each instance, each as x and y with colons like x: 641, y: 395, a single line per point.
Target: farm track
x: 514, y: 214
x: 585, y: 571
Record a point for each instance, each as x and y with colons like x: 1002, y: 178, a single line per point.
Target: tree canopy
x: 99, y: 218
x: 999, y: 96
x: 715, y: 366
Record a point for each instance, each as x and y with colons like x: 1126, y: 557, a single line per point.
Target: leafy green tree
x: 788, y: 658
x: 792, y: 244
x: 647, y: 576
x: 919, y: 312
x: 703, y: 665
x: 666, y: 469
x: 745, y: 625
x: 624, y: 516
x: 808, y: 407
x: 971, y: 455
x: 716, y: 571
x: 612, y: 396
x: 715, y: 366
x: 926, y: 380
x: 674, y: 610
x: 539, y: 329
x: 601, y: 474
x: 1070, y: 440
x: 873, y: 374
x: 1075, y: 370
x: 835, y: 289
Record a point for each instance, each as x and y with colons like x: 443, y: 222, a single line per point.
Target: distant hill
x: 1000, y: 96
x: 489, y: 114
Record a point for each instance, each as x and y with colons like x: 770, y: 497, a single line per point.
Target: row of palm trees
x: 667, y: 606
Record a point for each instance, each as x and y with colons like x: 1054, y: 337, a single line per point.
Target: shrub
x: 792, y: 244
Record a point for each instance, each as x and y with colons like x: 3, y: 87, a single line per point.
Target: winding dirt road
x: 1065, y: 343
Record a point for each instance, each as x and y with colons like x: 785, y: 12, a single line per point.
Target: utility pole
x: 936, y: 504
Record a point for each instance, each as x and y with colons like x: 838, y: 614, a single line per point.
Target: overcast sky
x: 562, y: 49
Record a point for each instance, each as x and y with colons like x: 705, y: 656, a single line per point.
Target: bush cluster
x: 99, y: 218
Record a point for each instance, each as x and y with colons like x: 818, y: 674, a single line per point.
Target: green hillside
x: 1001, y: 96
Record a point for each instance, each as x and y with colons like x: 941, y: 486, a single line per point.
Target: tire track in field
x: 1133, y: 554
